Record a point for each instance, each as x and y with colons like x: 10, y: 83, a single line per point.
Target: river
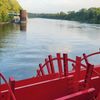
x: 23, y: 48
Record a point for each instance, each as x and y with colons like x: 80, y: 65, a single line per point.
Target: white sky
x: 52, y: 6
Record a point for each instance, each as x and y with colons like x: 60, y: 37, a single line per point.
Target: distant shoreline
x: 91, y: 15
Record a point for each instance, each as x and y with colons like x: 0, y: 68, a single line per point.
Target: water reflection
x: 23, y: 26
x: 6, y: 28
x: 23, y: 47
x: 5, y: 32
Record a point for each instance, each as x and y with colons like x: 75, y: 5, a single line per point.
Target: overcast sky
x: 52, y: 6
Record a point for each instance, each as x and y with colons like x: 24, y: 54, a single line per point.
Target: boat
x: 58, y: 78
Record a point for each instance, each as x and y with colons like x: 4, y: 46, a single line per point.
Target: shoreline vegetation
x: 8, y: 8
x: 91, y: 15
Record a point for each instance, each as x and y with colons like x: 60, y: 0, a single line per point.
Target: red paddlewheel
x: 56, y: 81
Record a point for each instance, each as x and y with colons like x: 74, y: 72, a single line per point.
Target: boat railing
x: 63, y: 66
x: 11, y: 96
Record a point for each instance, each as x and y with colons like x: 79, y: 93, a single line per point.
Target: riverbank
x: 91, y: 15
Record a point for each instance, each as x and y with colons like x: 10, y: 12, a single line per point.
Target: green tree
x: 91, y: 15
x: 4, y: 10
x: 6, y: 7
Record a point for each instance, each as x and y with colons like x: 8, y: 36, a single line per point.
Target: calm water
x: 22, y: 51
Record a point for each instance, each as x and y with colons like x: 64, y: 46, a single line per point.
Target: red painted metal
x: 38, y: 73
x: 65, y: 61
x: 48, y: 67
x: 92, y: 54
x: 41, y: 69
x: 9, y: 88
x: 88, y: 94
x: 12, y: 85
x: 51, y: 64
x: 77, y: 68
x: 85, y: 58
x: 88, y: 76
x: 59, y: 63
x: 77, y: 72
x: 82, y: 83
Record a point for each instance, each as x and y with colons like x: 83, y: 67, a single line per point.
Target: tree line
x: 91, y: 15
x: 6, y: 8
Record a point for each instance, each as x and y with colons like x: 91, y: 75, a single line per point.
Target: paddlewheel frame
x: 56, y: 81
